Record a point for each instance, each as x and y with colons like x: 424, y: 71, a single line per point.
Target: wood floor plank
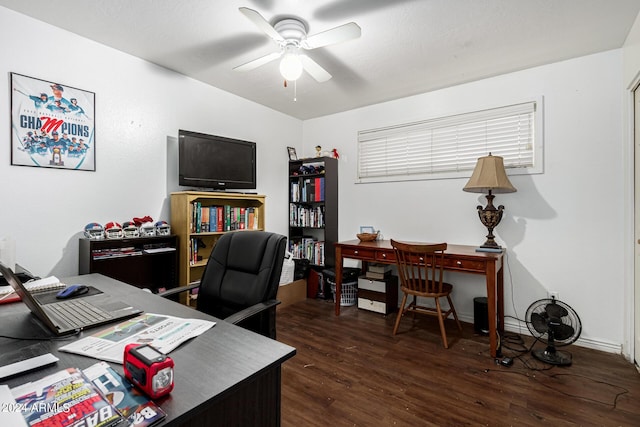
x: 350, y: 370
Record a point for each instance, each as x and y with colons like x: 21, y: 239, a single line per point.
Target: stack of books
x: 378, y: 271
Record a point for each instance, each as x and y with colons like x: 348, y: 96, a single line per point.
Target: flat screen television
x: 215, y: 162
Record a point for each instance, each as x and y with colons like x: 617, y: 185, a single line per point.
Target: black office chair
x: 241, y: 280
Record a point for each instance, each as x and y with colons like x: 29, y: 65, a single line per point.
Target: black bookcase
x: 145, y: 262
x: 313, y: 209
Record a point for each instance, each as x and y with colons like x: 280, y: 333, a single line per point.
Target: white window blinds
x: 449, y: 146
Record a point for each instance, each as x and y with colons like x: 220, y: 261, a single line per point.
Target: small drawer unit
x: 379, y: 295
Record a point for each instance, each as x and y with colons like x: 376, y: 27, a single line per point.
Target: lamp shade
x: 489, y: 174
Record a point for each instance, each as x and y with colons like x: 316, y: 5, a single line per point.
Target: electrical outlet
x: 553, y: 294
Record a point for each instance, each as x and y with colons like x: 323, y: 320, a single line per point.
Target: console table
x: 460, y: 258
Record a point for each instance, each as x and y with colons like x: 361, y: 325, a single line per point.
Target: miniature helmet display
x: 113, y: 230
x: 93, y: 230
x: 130, y: 229
x: 162, y: 228
x: 147, y: 229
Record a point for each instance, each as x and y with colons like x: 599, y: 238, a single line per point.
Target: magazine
x: 63, y: 399
x: 163, y: 332
x: 139, y: 410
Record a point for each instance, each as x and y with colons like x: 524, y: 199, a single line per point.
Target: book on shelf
x: 220, y: 218
x: 204, y: 226
x: 65, y: 398
x: 208, y: 219
x: 193, y: 250
x: 158, y: 250
x: 244, y: 219
x: 115, y: 252
x: 51, y: 283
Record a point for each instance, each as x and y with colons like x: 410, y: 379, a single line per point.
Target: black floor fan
x: 555, y: 324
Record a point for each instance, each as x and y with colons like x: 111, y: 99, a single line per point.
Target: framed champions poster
x: 52, y: 125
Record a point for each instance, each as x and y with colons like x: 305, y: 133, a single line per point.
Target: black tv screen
x: 215, y: 162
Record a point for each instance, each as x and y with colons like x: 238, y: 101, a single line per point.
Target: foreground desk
x: 460, y: 258
x: 226, y: 376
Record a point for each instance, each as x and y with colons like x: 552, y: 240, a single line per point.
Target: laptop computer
x: 70, y: 315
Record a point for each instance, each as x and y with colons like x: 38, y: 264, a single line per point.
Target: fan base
x: 553, y: 357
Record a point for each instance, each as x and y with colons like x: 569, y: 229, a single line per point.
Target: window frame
x: 400, y: 131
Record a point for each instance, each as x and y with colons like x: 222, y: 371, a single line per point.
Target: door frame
x: 631, y: 316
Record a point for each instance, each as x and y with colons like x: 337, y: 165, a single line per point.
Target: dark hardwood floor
x: 350, y: 371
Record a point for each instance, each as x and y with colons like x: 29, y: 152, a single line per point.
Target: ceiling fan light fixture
x: 291, y: 66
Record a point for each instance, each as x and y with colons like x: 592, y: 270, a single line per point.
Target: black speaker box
x: 480, y: 315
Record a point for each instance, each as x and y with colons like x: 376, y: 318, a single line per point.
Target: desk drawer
x: 372, y: 285
x: 377, y: 306
x: 360, y: 253
x: 388, y: 257
x: 464, y: 265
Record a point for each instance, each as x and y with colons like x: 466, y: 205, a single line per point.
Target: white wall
x: 139, y: 109
x: 563, y: 228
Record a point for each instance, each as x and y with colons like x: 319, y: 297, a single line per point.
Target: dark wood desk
x: 226, y: 376
x: 460, y: 258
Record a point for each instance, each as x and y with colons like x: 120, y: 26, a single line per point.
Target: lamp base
x: 490, y: 217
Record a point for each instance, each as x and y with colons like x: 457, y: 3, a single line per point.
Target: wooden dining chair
x: 420, y: 268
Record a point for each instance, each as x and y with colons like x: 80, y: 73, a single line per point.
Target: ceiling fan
x: 291, y: 35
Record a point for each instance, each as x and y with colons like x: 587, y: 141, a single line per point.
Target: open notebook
x: 51, y: 283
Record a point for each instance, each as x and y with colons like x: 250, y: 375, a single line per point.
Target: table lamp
x: 489, y: 177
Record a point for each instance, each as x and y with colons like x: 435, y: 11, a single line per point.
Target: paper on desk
x: 163, y: 332
x: 10, y: 414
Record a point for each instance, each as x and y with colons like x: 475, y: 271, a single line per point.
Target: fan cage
x: 571, y: 319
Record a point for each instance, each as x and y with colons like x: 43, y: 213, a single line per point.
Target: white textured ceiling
x: 407, y: 46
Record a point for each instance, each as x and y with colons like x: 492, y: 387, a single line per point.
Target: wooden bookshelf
x: 313, y: 209
x: 196, y: 239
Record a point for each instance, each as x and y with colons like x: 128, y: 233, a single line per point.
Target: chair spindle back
x: 420, y: 266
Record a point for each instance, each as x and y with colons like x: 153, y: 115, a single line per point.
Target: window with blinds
x: 449, y: 147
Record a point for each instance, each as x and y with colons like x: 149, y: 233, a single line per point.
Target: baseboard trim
x: 517, y: 327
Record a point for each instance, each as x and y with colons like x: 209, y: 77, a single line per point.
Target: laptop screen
x: 25, y: 295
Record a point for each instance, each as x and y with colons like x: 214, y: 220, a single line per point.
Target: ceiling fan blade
x: 335, y: 35
x: 261, y: 23
x: 316, y: 71
x: 251, y: 65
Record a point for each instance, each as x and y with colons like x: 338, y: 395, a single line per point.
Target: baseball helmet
x: 113, y: 230
x: 93, y: 230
